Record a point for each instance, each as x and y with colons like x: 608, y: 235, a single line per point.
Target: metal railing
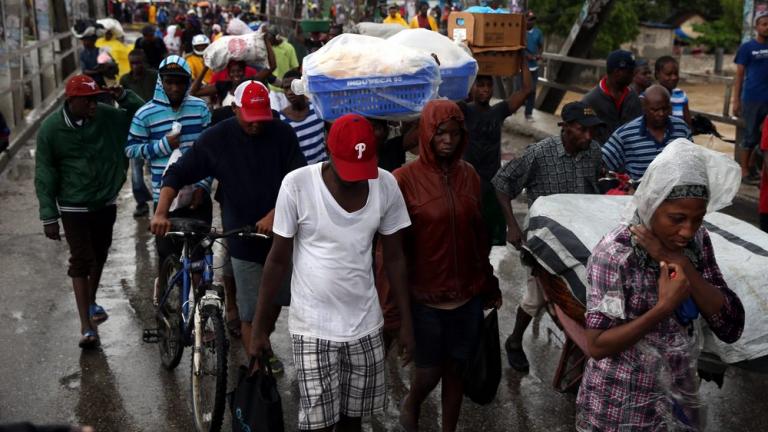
x: 33, y: 73
x: 599, y: 65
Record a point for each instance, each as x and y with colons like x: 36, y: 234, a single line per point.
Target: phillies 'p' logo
x: 360, y: 147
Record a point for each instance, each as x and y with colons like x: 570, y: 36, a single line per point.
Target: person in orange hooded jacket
x: 449, y: 275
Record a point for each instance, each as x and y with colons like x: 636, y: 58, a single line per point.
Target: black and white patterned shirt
x: 546, y: 169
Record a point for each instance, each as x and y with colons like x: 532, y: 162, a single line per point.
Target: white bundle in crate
x: 378, y: 29
x: 355, y: 56
x: 449, y: 53
x: 249, y: 47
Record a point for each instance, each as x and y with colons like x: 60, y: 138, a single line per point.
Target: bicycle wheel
x: 209, y: 376
x: 171, y: 341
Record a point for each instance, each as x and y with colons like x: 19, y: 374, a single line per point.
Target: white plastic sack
x: 171, y: 41
x: 112, y: 25
x: 378, y: 29
x: 449, y: 53
x: 238, y: 27
x: 359, y: 56
x: 249, y: 47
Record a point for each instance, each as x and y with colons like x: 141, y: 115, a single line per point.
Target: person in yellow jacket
x: 195, y: 59
x: 423, y: 19
x: 152, y: 14
x: 394, y: 16
x: 118, y: 50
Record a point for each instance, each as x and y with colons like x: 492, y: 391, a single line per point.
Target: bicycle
x: 189, y: 314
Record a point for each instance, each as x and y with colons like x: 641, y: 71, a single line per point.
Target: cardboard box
x: 487, y: 30
x: 499, y: 61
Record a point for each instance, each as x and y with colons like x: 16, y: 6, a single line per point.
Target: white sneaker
x: 530, y: 119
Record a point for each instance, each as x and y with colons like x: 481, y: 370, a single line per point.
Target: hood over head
x: 433, y: 115
x: 160, y: 95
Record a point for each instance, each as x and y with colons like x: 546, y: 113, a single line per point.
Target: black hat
x: 580, y: 113
x: 620, y: 59
x: 174, y: 69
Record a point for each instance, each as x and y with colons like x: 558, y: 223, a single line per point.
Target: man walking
x: 153, y: 46
x: 249, y: 155
x: 636, y: 144
x: 141, y: 80
x: 79, y: 170
x: 326, y: 217
x: 301, y: 115
x: 569, y: 163
x: 534, y: 46
x: 750, y: 93
x: 424, y: 19
x: 612, y: 99
x: 484, y: 123
x: 153, y: 138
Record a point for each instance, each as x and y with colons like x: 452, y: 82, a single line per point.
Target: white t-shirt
x: 333, y: 296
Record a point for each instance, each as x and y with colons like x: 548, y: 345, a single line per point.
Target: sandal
x: 233, y: 326
x: 97, y: 313
x: 89, y: 340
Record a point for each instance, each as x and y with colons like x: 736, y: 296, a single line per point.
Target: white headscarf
x: 683, y: 163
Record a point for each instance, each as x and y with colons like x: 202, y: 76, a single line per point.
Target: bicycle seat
x: 189, y: 225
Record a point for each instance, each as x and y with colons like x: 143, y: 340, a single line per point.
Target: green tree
x: 725, y: 31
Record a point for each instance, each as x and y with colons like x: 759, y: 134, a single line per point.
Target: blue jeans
x: 753, y: 114
x: 140, y: 192
x: 531, y: 97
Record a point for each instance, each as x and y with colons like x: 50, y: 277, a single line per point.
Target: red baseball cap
x: 253, y: 99
x: 82, y: 85
x: 352, y: 146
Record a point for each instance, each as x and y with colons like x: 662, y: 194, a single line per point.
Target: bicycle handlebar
x: 246, y: 231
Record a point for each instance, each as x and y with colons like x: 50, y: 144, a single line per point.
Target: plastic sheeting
x: 685, y: 163
x: 369, y: 76
x: 249, y: 47
x: 563, y: 229
x: 378, y: 29
x: 449, y: 53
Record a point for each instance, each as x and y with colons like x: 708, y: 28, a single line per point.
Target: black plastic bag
x: 255, y: 403
x: 483, y: 373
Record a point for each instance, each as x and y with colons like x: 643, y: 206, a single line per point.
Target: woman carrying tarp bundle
x: 649, y: 283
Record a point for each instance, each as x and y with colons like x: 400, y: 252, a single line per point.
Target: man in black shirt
x: 154, y: 47
x: 484, y: 123
x: 249, y: 155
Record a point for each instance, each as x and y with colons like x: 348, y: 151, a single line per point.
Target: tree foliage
x: 725, y: 31
x: 622, y: 24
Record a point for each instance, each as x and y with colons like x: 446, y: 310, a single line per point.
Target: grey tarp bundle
x: 563, y: 229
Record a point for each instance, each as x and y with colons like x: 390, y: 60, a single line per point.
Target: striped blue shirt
x: 311, y: 135
x: 152, y: 122
x: 632, y: 147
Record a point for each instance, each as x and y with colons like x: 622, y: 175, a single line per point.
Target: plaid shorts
x: 339, y: 378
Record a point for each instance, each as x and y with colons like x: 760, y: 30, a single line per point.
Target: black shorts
x: 446, y: 334
x: 89, y: 235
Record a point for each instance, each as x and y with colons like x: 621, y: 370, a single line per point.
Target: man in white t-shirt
x: 326, y: 217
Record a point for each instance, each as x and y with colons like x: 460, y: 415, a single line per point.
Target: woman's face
x: 446, y: 139
x: 669, y: 76
x: 676, y: 221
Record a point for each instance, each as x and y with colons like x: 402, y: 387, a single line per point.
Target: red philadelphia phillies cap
x: 82, y: 85
x: 253, y: 99
x: 352, y: 145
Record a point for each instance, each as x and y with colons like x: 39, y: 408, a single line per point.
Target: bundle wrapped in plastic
x: 113, y: 25
x: 238, y: 27
x: 377, y: 29
x: 369, y: 76
x: 249, y: 47
x: 458, y: 68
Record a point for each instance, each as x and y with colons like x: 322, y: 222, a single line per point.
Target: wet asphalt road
x: 46, y: 378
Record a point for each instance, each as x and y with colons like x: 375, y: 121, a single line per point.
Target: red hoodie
x: 446, y: 247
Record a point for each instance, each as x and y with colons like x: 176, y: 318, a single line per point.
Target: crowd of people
x: 370, y: 252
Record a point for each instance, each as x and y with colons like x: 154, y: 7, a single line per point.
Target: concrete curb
x: 26, y: 130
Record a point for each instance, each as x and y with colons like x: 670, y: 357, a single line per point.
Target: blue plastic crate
x: 456, y: 82
x: 389, y: 96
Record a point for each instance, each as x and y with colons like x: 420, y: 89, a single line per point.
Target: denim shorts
x: 446, y: 334
x: 753, y: 114
x: 248, y: 280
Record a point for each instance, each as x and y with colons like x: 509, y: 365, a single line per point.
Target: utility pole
x: 577, y: 44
